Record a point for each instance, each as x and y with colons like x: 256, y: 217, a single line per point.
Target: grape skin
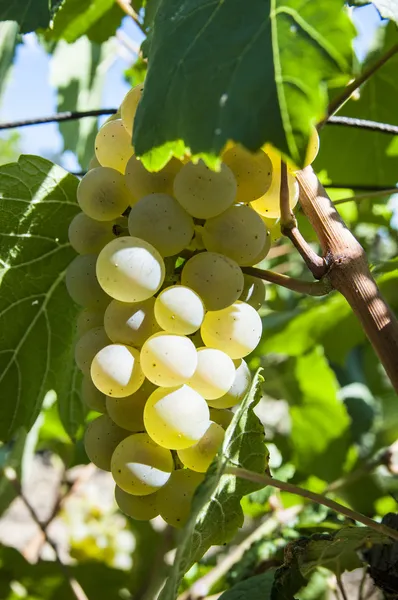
x: 252, y: 170
x: 128, y: 107
x: 221, y: 416
x: 253, y: 292
x: 139, y: 508
x: 82, y: 284
x: 175, y: 498
x: 92, y: 397
x: 214, y: 374
x: 88, y: 236
x: 142, y: 182
x: 168, y: 359
x: 180, y: 310
x: 88, y: 319
x: 176, y: 417
x: 139, y: 466
x: 87, y: 347
x: 130, y: 323
x: 200, y: 456
x: 238, y: 389
x: 128, y: 412
x: 103, y: 195
x: 101, y: 438
x: 113, y: 145
x: 116, y: 370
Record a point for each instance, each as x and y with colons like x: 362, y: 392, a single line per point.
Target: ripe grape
x: 239, y: 233
x: 100, y: 440
x: 214, y: 374
x: 128, y: 412
x: 175, y: 498
x: 139, y: 466
x: 176, y: 417
x: 92, y: 397
x: 113, y: 145
x: 178, y: 309
x: 94, y: 163
x: 236, y: 329
x: 252, y: 170
x: 168, y: 359
x: 129, y: 269
x: 128, y: 107
x: 238, y: 389
x: 142, y: 182
x: 103, y: 195
x: 87, y: 319
x: 253, y: 292
x: 140, y: 508
x: 216, y: 278
x: 87, y: 236
x: 116, y: 370
x: 199, y: 457
x: 221, y: 416
x: 202, y: 192
x: 82, y: 284
x: 130, y: 322
x: 87, y: 347
x: 160, y: 220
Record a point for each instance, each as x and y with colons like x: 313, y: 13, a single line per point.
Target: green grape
x: 159, y: 220
x: 128, y: 107
x: 239, y: 233
x: 130, y: 270
x: 200, y: 456
x: 214, y: 374
x: 87, y: 319
x: 264, y: 251
x: 312, y: 151
x: 82, y: 285
x: 236, y: 330
x: 128, y: 412
x: 94, y: 163
x: 139, y: 466
x: 87, y: 236
x: 238, y: 389
x: 204, y: 193
x: 140, y: 508
x: 176, y: 417
x: 221, y: 416
x: 116, y: 370
x: 216, y: 278
x: 101, y: 438
x: 168, y: 359
x: 87, y: 347
x: 142, y: 182
x: 113, y: 146
x: 92, y: 397
x: 253, y: 292
x: 175, y: 498
x: 130, y: 322
x: 103, y: 195
x: 178, y: 309
x: 253, y: 172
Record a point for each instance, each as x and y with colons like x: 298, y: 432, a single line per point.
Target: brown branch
x: 364, y: 196
x: 349, y: 271
x: 288, y: 220
x: 341, y: 99
x: 126, y: 7
x: 298, y: 491
x: 311, y: 288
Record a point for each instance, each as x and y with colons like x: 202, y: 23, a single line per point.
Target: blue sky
x: 28, y: 93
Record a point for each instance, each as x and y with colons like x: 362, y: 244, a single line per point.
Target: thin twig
x: 62, y: 116
x: 288, y: 220
x: 363, y: 124
x: 341, y: 587
x: 310, y: 288
x: 339, y: 100
x: 365, y: 195
x: 362, y: 583
x: 382, y: 458
x: 126, y: 7
x: 293, y: 489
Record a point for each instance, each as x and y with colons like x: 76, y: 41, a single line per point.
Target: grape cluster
x: 168, y: 314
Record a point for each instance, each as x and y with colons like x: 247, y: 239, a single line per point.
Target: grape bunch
x: 168, y: 315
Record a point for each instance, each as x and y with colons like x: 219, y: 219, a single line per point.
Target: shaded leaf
x: 37, y: 201
x: 11, y: 457
x: 98, y: 19
x: 204, y: 85
x: 217, y: 500
x: 255, y: 588
x: 29, y: 14
x: 8, y: 42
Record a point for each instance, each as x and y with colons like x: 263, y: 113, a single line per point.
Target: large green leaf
x: 37, y: 201
x: 8, y: 42
x: 256, y: 588
x: 98, y: 19
x: 216, y: 512
x: 217, y: 72
x: 365, y: 158
x: 29, y: 14
x: 11, y: 458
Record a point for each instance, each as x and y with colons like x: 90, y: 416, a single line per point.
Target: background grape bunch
x: 168, y: 313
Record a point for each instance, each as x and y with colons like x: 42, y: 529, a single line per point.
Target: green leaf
x: 78, y: 74
x: 37, y: 201
x: 29, y: 14
x: 11, y: 457
x: 8, y: 42
x: 216, y: 512
x: 98, y: 19
x: 215, y: 75
x: 255, y: 588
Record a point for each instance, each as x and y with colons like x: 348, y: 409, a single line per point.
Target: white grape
x: 175, y: 498
x: 103, y: 195
x: 264, y: 251
x: 168, y: 359
x: 87, y: 236
x: 116, y: 370
x: 128, y: 412
x: 221, y: 416
x: 214, y: 374
x: 253, y: 292
x: 142, y: 182
x: 130, y: 322
x: 176, y: 417
x: 236, y: 330
x: 128, y: 107
x: 178, y: 309
x: 140, y: 508
x: 238, y: 389
x: 204, y: 193
x: 87, y: 347
x: 82, y: 284
x: 87, y: 319
x: 101, y: 438
x: 113, y: 145
x: 130, y: 270
x: 252, y: 170
x: 200, y: 456
x: 216, y: 278
x: 92, y: 397
x: 161, y: 221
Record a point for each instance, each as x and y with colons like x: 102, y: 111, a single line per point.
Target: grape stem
x: 366, y: 195
x: 317, y: 498
x: 311, y: 288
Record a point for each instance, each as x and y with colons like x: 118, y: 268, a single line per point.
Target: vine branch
x: 365, y: 195
x: 363, y: 124
x: 310, y: 288
x: 317, y: 498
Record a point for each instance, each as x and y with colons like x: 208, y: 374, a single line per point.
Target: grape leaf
x: 256, y: 588
x: 8, y: 42
x: 217, y: 73
x: 29, y: 14
x: 37, y: 318
x: 11, y: 457
x: 98, y: 19
x: 388, y: 9
x: 216, y: 512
